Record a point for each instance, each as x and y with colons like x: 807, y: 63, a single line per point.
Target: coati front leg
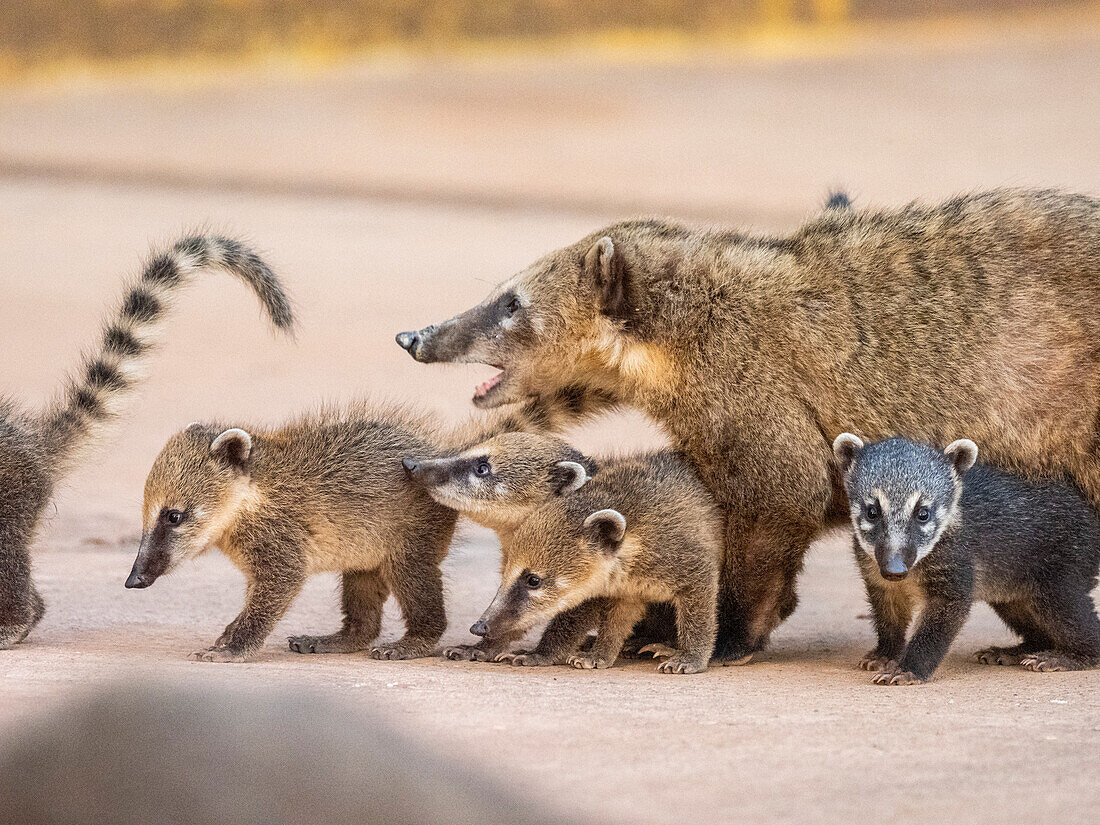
x: 417, y: 585
x: 488, y: 649
x: 1070, y: 619
x: 940, y: 622
x: 21, y: 606
x: 363, y: 593
x: 891, y: 612
x: 563, y: 636
x: 267, y: 598
x: 618, y: 619
x: 696, y: 629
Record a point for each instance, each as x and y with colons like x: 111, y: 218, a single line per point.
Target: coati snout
x: 901, y: 496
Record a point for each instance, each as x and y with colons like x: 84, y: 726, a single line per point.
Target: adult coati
x: 975, y: 314
x: 324, y: 493
x: 38, y: 449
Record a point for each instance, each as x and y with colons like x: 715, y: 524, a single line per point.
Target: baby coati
x: 935, y: 530
x: 38, y: 449
x: 642, y: 530
x: 325, y: 493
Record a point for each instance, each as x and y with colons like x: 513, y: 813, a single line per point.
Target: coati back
x: 935, y: 530
x: 642, y: 530
x: 325, y: 493
x: 37, y: 450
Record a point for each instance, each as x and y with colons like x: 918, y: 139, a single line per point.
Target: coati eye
x: 483, y: 468
x: 513, y: 306
x: 923, y: 514
x: 534, y: 581
x: 173, y: 517
x: 873, y: 511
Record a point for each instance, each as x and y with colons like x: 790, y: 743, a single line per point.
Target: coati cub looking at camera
x: 935, y: 529
x: 325, y: 493
x: 642, y: 530
x: 37, y: 449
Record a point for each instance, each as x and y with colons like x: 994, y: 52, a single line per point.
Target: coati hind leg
x: 363, y: 593
x: 267, y: 598
x: 1074, y: 629
x: 1022, y: 620
x: 657, y: 627
x: 21, y: 606
x: 619, y: 617
x: 417, y: 584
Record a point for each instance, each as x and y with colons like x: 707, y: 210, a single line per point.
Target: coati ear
x: 568, y: 477
x: 846, y: 448
x: 963, y: 453
x: 234, y: 446
x: 605, y: 268
x: 606, y: 528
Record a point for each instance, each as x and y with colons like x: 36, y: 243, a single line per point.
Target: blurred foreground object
x: 159, y: 754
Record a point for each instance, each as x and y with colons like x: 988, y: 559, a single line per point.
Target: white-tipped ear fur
x: 235, y: 444
x: 846, y: 447
x: 576, y: 477
x: 963, y: 453
x: 605, y: 249
x: 608, y: 525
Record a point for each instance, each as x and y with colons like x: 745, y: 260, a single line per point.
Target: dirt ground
x: 390, y: 195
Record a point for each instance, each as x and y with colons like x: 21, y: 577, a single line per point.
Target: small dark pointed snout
x: 136, y: 581
x: 480, y: 628
x: 895, y: 568
x: 408, y: 341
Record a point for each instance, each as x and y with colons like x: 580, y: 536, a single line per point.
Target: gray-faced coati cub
x: 38, y: 449
x: 935, y: 530
x: 642, y: 530
x: 325, y: 493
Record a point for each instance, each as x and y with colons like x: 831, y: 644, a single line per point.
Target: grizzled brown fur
x: 38, y: 449
x: 327, y: 493
x: 643, y: 530
x: 976, y: 314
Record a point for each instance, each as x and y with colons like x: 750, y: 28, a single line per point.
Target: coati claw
x: 872, y: 661
x: 897, y: 677
x: 214, y: 654
x: 463, y: 653
x: 400, y: 650
x: 659, y: 650
x: 1048, y: 661
x: 525, y: 659
x: 587, y: 662
x: 682, y: 665
x: 1005, y: 656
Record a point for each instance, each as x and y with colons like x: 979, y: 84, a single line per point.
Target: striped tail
x: 108, y: 375
x: 548, y: 413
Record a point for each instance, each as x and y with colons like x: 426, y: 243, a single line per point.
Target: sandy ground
x: 391, y: 196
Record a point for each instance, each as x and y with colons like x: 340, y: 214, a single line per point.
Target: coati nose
x: 894, y: 569
x: 480, y: 628
x: 136, y: 581
x: 408, y: 341
x: 411, y: 465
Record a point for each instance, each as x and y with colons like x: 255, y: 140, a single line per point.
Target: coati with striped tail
x: 754, y: 352
x: 586, y: 545
x: 38, y: 449
x: 326, y: 493
x: 934, y: 531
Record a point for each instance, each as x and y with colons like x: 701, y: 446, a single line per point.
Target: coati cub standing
x: 38, y: 449
x: 935, y: 528
x: 643, y: 530
x: 326, y: 493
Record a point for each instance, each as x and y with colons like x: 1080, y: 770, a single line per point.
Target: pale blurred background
x: 393, y: 160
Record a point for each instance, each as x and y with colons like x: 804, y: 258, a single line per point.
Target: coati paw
x: 872, y: 661
x: 222, y: 654
x: 682, y: 664
x: 658, y: 650
x: 334, y: 643
x: 523, y: 658
x: 1006, y: 656
x: 897, y: 677
x: 401, y: 650
x: 465, y: 653
x: 1050, y: 661
x: 588, y: 662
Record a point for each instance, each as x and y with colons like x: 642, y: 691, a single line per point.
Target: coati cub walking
x: 326, y: 493
x: 643, y: 530
x: 935, y: 528
x: 38, y: 449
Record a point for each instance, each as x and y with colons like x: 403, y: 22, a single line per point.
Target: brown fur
x: 643, y: 530
x: 325, y: 493
x: 37, y: 450
x: 977, y: 314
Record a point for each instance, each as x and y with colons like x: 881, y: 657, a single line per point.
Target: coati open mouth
x: 494, y: 391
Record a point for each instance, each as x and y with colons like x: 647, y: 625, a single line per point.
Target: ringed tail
x: 110, y: 372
